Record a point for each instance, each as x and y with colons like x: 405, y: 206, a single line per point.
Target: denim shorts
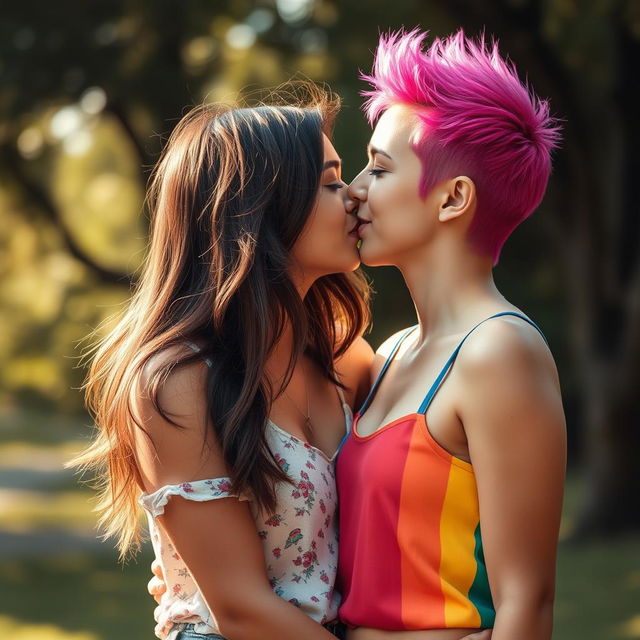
x: 187, y: 632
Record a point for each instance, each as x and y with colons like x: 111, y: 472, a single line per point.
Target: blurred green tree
x: 88, y: 91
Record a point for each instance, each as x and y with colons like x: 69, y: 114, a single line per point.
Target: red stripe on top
x: 371, y: 557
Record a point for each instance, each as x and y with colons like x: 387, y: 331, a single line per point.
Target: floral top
x: 300, y: 539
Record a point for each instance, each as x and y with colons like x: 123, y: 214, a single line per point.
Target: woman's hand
x: 157, y: 586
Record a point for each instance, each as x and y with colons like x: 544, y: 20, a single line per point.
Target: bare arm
x: 514, y: 422
x: 216, y: 539
x: 354, y: 369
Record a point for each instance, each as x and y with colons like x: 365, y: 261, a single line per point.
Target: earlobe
x: 460, y: 198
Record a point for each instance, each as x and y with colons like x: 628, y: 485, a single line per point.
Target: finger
x: 156, y: 568
x: 156, y: 588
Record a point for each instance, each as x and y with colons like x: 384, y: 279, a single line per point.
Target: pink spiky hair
x: 478, y: 119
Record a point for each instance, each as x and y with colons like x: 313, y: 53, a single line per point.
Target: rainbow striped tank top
x: 410, y: 537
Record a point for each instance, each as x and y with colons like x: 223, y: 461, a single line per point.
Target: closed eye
x: 335, y: 186
x: 377, y: 172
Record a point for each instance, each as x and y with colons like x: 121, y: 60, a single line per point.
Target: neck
x: 452, y: 287
x: 301, y: 281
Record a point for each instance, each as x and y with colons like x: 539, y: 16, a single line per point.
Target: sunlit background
x: 88, y: 93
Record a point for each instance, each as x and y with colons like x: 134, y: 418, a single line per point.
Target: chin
x: 352, y: 262
x: 371, y: 258
x: 352, y: 265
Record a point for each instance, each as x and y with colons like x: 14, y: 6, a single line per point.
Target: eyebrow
x: 332, y: 164
x: 375, y: 151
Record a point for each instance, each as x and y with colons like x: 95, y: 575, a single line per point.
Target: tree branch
x: 38, y: 196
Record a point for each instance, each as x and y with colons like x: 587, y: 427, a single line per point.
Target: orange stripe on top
x: 419, y: 534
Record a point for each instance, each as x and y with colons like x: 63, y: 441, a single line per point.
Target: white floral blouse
x: 300, y: 540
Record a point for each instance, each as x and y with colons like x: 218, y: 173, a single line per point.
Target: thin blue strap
x: 344, y: 439
x: 447, y: 367
x: 376, y: 384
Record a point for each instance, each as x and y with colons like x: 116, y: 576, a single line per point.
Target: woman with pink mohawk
x: 451, y: 480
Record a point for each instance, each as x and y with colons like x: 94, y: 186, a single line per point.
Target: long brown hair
x: 229, y: 196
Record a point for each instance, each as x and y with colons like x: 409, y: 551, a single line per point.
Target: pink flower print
x: 304, y: 489
x: 295, y: 493
x: 274, y: 520
x: 277, y: 552
x: 224, y: 485
x: 309, y: 465
x: 323, y: 506
x: 324, y: 577
x: 294, y: 537
x: 282, y: 463
x: 309, y: 558
x: 175, y: 556
x: 186, y: 487
x: 314, y: 546
x: 314, y: 599
x: 304, y: 474
x: 177, y: 588
x: 327, y: 521
x: 295, y: 602
x: 321, y: 534
x: 297, y: 561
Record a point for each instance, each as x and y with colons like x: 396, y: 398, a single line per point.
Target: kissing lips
x: 362, y: 223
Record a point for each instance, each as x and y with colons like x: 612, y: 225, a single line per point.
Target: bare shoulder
x: 508, y: 376
x: 508, y: 346
x: 178, y: 388
x: 175, y: 439
x: 385, y: 349
x: 353, y: 369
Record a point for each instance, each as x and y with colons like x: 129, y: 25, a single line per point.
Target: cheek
x: 396, y: 205
x: 324, y: 235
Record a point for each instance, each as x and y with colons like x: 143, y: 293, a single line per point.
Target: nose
x: 357, y: 191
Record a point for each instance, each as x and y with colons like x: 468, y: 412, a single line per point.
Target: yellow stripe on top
x: 459, y: 519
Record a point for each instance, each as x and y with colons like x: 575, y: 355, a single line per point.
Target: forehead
x: 329, y: 150
x: 395, y: 129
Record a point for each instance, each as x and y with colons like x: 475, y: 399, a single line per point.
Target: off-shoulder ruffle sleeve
x: 198, y: 491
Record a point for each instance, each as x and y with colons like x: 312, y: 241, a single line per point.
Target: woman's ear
x: 460, y: 197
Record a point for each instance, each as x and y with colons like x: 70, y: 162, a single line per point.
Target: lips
x: 360, y: 226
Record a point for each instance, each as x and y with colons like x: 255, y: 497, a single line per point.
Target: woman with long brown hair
x: 219, y: 396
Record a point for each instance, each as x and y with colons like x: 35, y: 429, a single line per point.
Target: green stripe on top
x: 480, y: 593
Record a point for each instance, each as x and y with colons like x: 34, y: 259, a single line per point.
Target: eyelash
x: 376, y: 172
x: 334, y: 187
